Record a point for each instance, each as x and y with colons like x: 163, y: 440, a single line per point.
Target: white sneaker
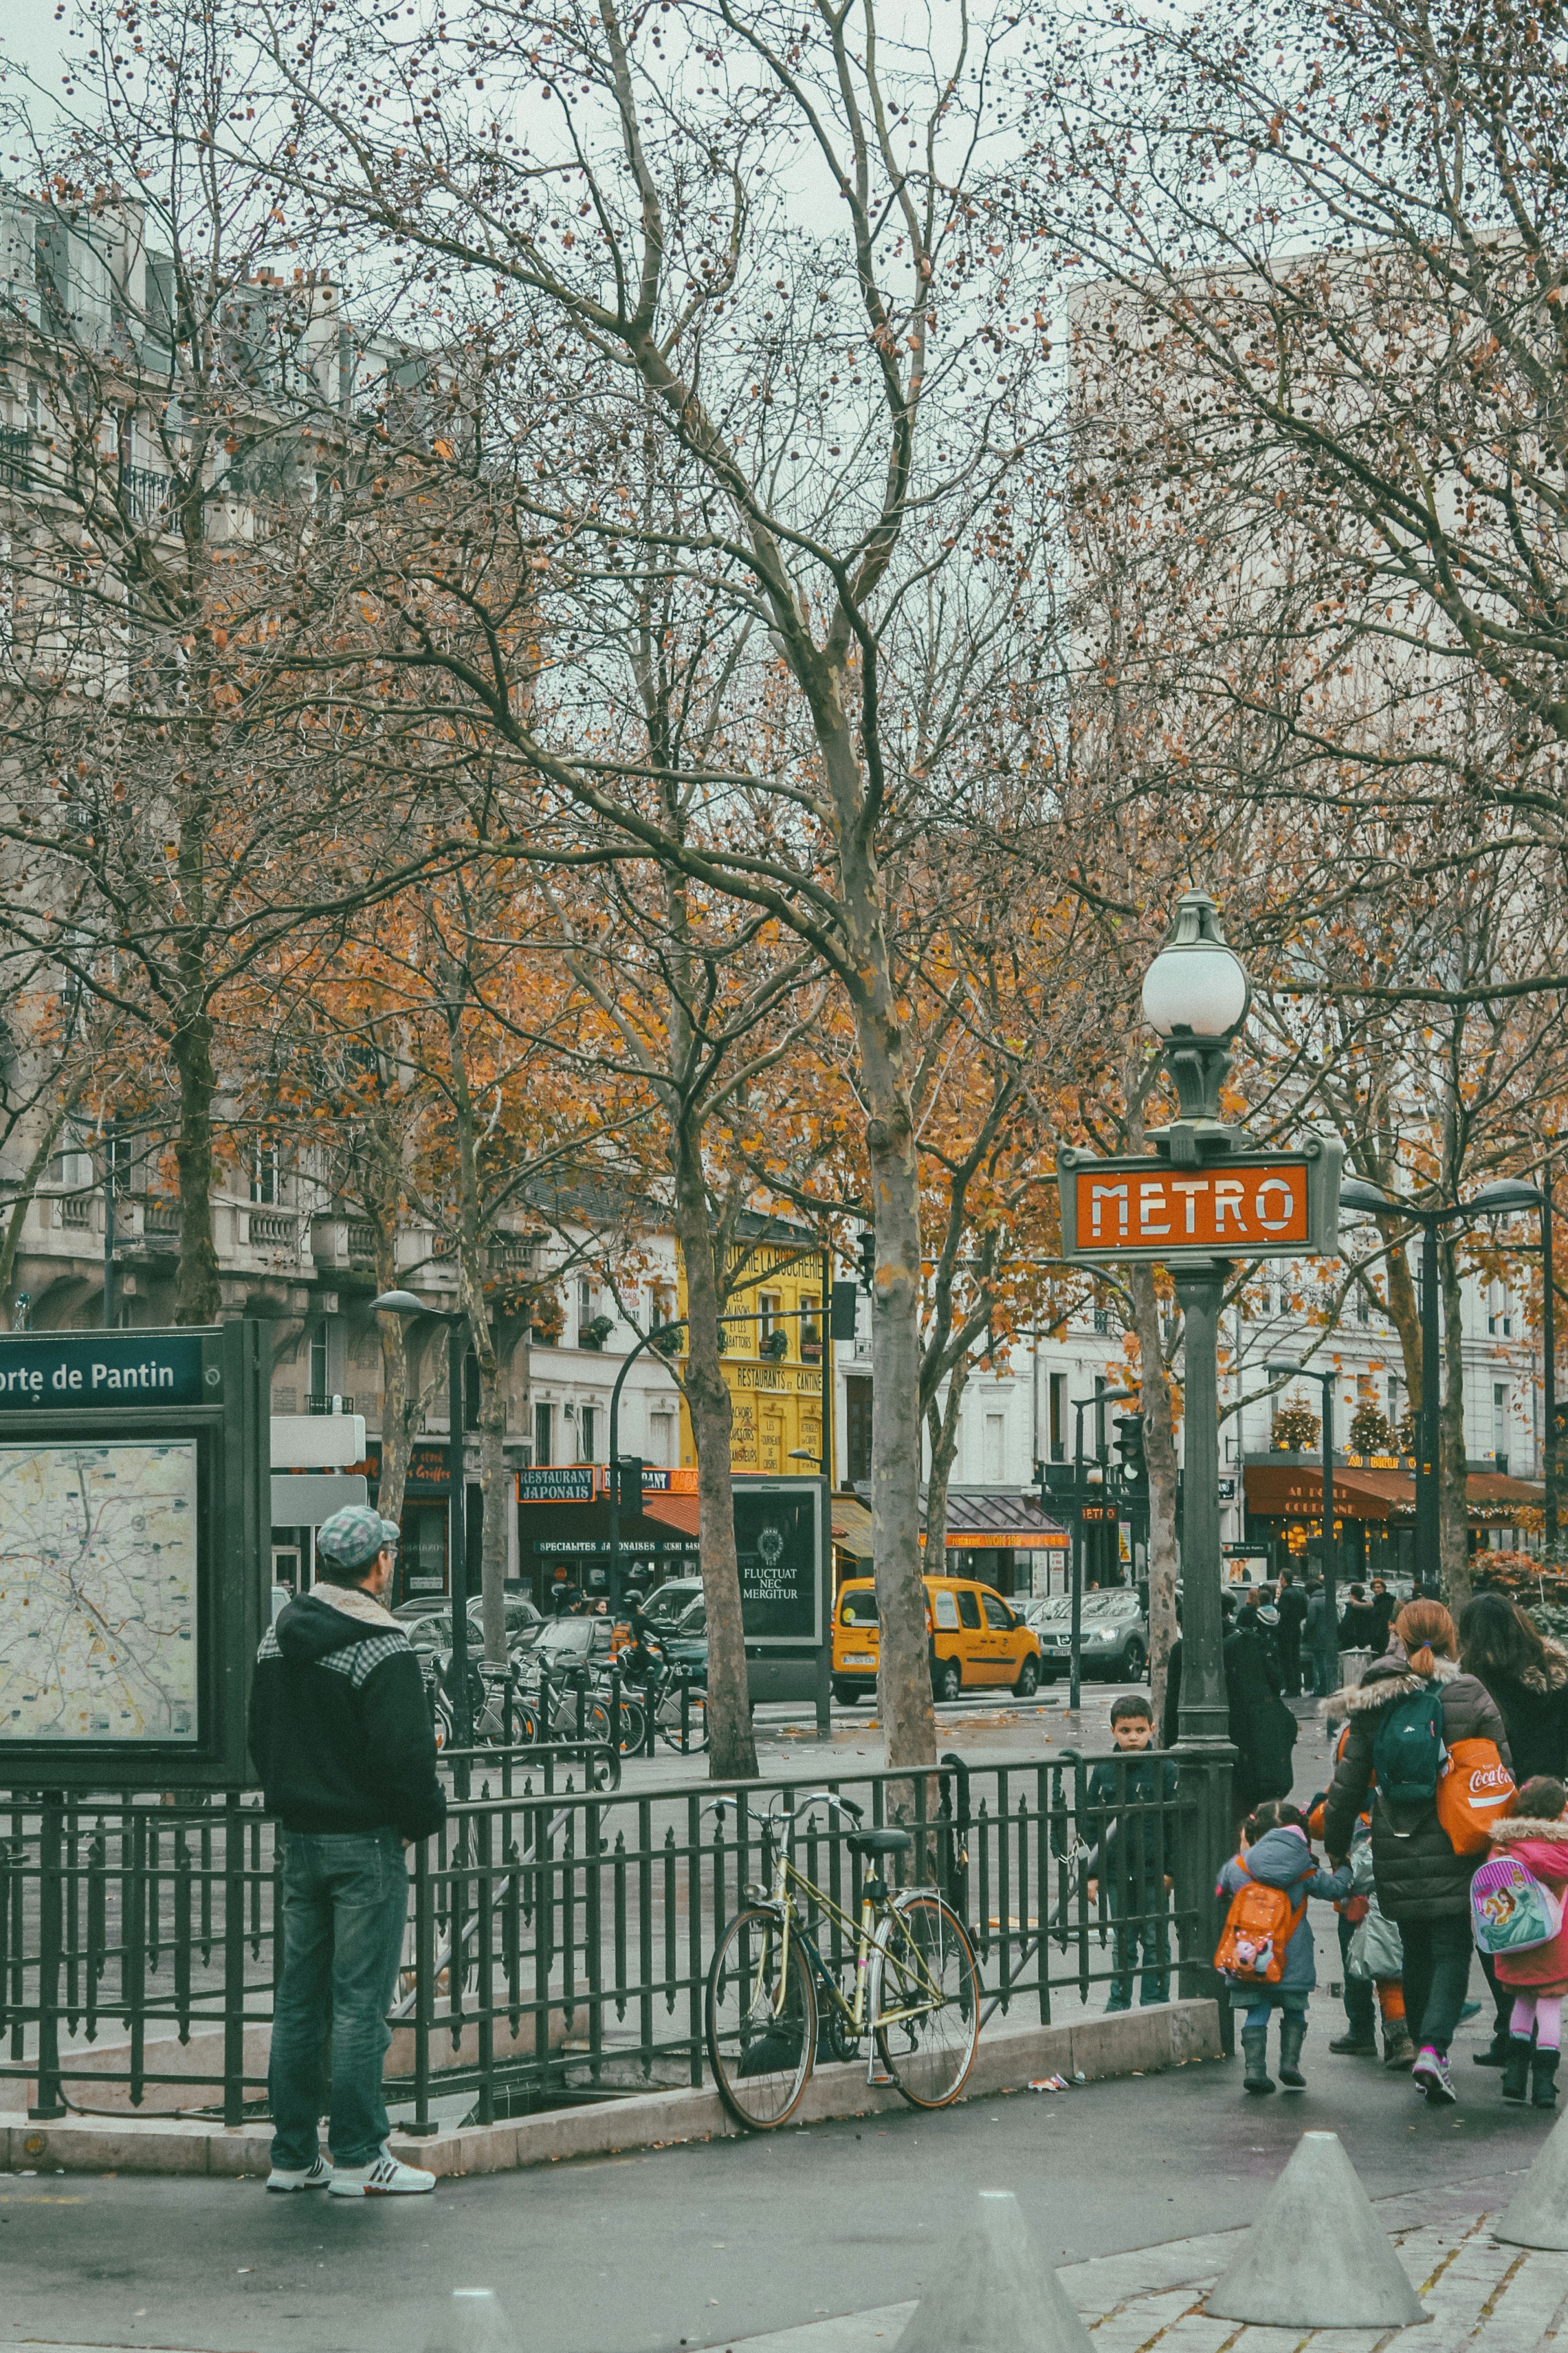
x: 311, y: 2176
x: 384, y: 2177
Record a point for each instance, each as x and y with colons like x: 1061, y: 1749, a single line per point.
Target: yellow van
x: 977, y: 1641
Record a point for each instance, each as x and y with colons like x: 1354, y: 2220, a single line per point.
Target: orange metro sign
x: 1245, y: 1204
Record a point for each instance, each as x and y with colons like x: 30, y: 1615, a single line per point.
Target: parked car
x: 671, y: 1600
x: 1114, y: 1642
x: 431, y: 1629
x: 976, y: 1640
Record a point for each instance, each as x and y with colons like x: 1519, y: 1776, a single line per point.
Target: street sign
x: 1245, y: 1204
x: 134, y: 1497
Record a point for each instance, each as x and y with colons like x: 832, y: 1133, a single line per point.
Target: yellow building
x: 773, y: 1359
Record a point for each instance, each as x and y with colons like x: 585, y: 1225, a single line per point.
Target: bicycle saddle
x: 878, y: 1841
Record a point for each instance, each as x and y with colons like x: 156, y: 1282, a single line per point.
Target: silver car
x: 1114, y: 1637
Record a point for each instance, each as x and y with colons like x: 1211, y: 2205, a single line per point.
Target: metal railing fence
x: 561, y: 1930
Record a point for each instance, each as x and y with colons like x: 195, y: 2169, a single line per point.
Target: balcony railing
x: 273, y: 1229
x: 362, y: 1241
x: 148, y: 495
x: 15, y: 469
x: 159, y: 1217
x: 75, y: 1209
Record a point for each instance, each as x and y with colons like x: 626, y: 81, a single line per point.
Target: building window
x: 265, y: 1177
x: 72, y: 1164
x: 810, y: 1330
x: 1058, y: 1417
x: 588, y: 1431
x: 543, y: 1434
x: 320, y: 1366
x: 661, y: 1440
x: 1500, y: 1424
x: 584, y: 1306
x: 1500, y: 1311
x: 772, y: 1335
x: 1363, y: 1307
x: 995, y: 1448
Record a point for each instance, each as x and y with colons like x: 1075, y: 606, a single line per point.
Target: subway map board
x: 135, y: 1495
x: 98, y: 1591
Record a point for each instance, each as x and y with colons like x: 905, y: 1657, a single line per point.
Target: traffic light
x: 844, y: 1310
x: 628, y: 1482
x: 1129, y: 1444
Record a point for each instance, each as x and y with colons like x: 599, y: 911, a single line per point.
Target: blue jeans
x: 345, y: 1900
x: 1325, y: 1673
x: 1147, y: 1932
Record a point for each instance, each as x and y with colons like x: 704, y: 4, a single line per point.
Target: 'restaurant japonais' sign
x: 1244, y: 1205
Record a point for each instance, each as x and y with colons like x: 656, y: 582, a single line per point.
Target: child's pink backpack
x: 1511, y: 1911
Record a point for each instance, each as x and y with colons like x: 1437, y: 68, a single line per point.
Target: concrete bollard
x: 1316, y: 2256
x: 996, y: 2292
x: 1538, y: 2214
x: 473, y: 2322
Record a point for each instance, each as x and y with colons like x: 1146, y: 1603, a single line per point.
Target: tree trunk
x: 197, y: 1296
x: 1453, y: 1498
x: 903, y: 1680
x: 493, y: 1490
x: 11, y: 1246
x: 397, y: 1417
x: 731, y: 1742
x: 1160, y: 1455
x: 943, y: 1429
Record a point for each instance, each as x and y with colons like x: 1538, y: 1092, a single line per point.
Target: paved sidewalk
x: 1498, y: 2299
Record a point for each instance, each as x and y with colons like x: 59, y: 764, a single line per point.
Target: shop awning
x: 981, y: 1519
x: 675, y: 1510
x: 852, y: 1528
x: 1294, y: 1491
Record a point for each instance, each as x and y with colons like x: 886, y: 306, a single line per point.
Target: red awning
x: 675, y: 1510
x: 1295, y: 1491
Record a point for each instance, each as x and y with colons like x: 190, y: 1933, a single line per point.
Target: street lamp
x: 1281, y: 1368
x: 1195, y: 997
x: 1496, y: 1200
x: 404, y: 1304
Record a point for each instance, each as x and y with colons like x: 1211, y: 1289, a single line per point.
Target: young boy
x: 1276, y: 1853
x: 1133, y: 1846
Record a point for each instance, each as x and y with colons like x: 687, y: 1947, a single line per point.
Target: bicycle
x: 774, y: 2003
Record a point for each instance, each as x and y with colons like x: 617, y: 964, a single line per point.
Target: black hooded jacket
x: 339, y: 1728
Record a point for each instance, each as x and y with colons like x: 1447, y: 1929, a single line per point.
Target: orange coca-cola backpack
x: 1258, y: 1929
x: 1475, y: 1790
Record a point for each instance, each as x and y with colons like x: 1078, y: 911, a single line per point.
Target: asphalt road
x: 698, y: 2246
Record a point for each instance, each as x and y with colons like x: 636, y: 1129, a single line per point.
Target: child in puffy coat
x: 1536, y: 1835
x: 1275, y: 1851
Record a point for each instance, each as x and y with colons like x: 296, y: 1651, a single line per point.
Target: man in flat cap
x: 341, y: 1738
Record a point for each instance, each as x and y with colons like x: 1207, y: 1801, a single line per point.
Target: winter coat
x: 1282, y: 1858
x: 1320, y: 1630
x: 1262, y: 1727
x: 1534, y: 1710
x: 1358, y: 1628
x: 1385, y: 1611
x: 1542, y: 1848
x: 339, y: 1727
x: 1136, y: 1846
x: 1292, y: 1607
x: 1419, y: 1876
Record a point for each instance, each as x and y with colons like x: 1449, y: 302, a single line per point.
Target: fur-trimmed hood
x: 1514, y: 1830
x: 1386, y: 1679
x: 1551, y: 1677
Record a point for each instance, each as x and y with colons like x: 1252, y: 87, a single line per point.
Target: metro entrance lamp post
x: 404, y: 1304
x: 1492, y: 1201
x: 1195, y: 998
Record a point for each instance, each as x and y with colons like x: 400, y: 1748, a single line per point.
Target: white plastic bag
x: 1376, y: 1947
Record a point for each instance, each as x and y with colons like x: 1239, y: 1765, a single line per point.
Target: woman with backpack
x: 1265, y: 1953
x: 1411, y: 1705
x: 1527, y: 1674
x: 1532, y: 1844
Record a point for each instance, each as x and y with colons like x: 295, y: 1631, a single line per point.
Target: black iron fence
x: 561, y: 1928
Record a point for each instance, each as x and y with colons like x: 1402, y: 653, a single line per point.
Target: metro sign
x: 1244, y: 1205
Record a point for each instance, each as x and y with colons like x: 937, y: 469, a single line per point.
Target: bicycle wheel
x: 926, y: 1978
x: 761, y: 2020
x: 634, y: 1726
x: 689, y: 1734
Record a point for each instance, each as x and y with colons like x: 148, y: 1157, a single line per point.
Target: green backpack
x: 1408, y: 1753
